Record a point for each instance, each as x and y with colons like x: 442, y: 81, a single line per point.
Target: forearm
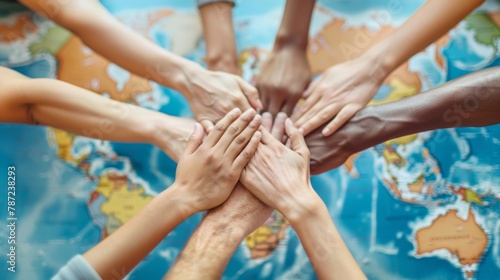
x: 428, y: 24
x: 218, y: 32
x: 294, y: 28
x: 208, y: 251
x: 212, y: 245
x: 324, y: 246
x: 79, y: 111
x: 124, y: 249
x: 473, y: 100
x: 113, y: 40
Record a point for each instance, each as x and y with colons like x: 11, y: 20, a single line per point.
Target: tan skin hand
x: 340, y: 92
x: 209, y: 171
x: 213, y: 94
x: 282, y: 80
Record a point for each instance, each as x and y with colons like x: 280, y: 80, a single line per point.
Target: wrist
x: 180, y: 201
x: 303, y: 206
x: 381, y: 57
x: 289, y: 40
x: 179, y: 77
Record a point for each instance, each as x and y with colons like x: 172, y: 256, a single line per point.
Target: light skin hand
x: 275, y: 170
x: 219, y: 160
x: 213, y: 94
x: 337, y: 95
x: 282, y: 80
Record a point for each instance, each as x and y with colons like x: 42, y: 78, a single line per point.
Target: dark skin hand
x: 286, y: 73
x: 470, y: 101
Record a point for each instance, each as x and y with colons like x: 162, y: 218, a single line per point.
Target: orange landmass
x: 465, y: 239
x: 81, y: 67
x: 440, y: 44
x: 495, y: 17
x: 335, y: 44
x: 417, y: 186
x: 469, y: 274
x: 393, y: 188
x: 17, y: 31
x: 153, y: 18
x: 349, y: 165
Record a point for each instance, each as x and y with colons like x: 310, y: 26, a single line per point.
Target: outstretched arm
x: 344, y: 89
x: 279, y: 177
x: 79, y: 111
x: 220, y: 233
x: 286, y: 73
x: 206, y: 175
x: 211, y: 95
x: 472, y: 100
x: 218, y: 32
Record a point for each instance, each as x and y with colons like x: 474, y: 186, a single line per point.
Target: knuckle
x: 233, y: 129
x: 220, y: 127
x: 241, y: 140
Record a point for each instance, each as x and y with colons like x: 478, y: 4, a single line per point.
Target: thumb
x: 194, y: 140
x: 297, y: 141
x: 251, y: 93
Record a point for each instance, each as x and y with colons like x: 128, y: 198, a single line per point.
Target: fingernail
x: 236, y: 111
x: 301, y: 131
x: 257, y: 118
x: 288, y: 122
x: 282, y: 115
x: 325, y: 131
x: 257, y: 134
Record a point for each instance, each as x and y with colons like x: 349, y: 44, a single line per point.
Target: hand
x: 279, y: 176
x: 209, y: 171
x: 359, y: 133
x: 171, y: 135
x: 338, y: 93
x: 282, y: 80
x: 213, y: 94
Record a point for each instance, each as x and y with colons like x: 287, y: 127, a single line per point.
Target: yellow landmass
x: 82, y: 67
x: 400, y: 90
x: 124, y: 202
x: 64, y: 142
x: 465, y: 239
x: 471, y: 196
x: 417, y: 186
x: 22, y: 26
x: 393, y: 188
x: 264, y: 240
x: 392, y: 157
x: 110, y: 183
x: 402, y: 140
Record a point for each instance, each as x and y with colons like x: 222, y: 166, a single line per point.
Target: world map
x: 424, y: 206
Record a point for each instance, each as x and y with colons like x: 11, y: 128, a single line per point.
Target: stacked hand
x: 338, y: 94
x: 212, y: 94
x: 283, y: 78
x: 209, y: 169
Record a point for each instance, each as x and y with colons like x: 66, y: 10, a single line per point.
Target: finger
x: 297, y: 141
x: 312, y: 87
x: 289, y: 105
x: 264, y: 97
x: 240, y: 142
x: 251, y: 93
x: 194, y: 140
x: 305, y: 108
x: 267, y: 121
x: 207, y: 125
x: 235, y: 129
x: 275, y: 103
x: 278, y: 129
x: 244, y: 157
x: 219, y: 129
x: 340, y: 119
x: 324, y: 116
x: 267, y: 137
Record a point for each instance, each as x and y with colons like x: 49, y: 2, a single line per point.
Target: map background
x: 56, y: 222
